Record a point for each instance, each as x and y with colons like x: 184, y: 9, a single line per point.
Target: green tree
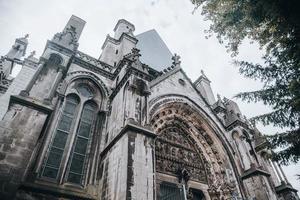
x: 275, y: 25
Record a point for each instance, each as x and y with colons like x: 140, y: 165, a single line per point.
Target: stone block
x: 14, y: 159
x: 6, y: 147
x: 6, y: 140
x: 4, y: 172
x: 2, y: 156
x: 20, y: 144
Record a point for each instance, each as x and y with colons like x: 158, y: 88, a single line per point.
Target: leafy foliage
x: 275, y: 25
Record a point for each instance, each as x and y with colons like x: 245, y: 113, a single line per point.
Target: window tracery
x: 79, y: 152
x: 56, y: 150
x: 67, y: 155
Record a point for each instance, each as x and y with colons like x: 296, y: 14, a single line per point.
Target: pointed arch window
x: 66, y: 157
x: 78, y: 155
x: 56, y: 150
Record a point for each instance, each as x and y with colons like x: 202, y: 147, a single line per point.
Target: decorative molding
x: 82, y: 74
x: 59, y: 48
x: 117, y: 42
x: 93, y: 61
x: 173, y: 151
x: 128, y: 127
x: 31, y: 103
x: 254, y: 171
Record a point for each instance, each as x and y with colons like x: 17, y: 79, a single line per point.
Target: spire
x: 17, y: 51
x: 19, y: 48
x: 32, y: 54
x: 176, y: 60
x: 70, y: 35
x: 203, y: 86
x: 203, y: 75
x: 219, y: 97
x: 123, y: 26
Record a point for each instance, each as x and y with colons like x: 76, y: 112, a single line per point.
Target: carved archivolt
x: 186, y: 141
x: 83, y: 74
x: 174, y: 152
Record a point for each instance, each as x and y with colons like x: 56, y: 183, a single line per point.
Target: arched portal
x: 189, y: 155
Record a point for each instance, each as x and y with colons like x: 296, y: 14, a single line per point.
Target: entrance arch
x: 189, y: 154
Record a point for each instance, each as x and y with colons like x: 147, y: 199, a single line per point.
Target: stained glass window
x: 81, y: 142
x: 58, y: 144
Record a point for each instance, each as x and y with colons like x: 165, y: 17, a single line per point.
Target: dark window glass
x: 197, y: 195
x: 88, y: 115
x: 56, y: 151
x: 74, y: 178
x: 70, y: 108
x: 80, y: 148
x: 50, y: 172
x: 77, y: 163
x: 170, y: 192
x: 60, y: 139
x: 54, y: 60
x: 65, y: 123
x: 81, y: 145
x: 84, y: 129
x: 54, y: 158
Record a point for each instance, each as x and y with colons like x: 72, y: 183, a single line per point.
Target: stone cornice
x: 284, y: 187
x: 76, y: 74
x: 164, y: 76
x: 117, y: 42
x: 261, y: 146
x: 254, y: 171
x: 31, y: 103
x: 93, y: 68
x: 235, y: 124
x: 94, y: 61
x: 128, y: 127
x: 129, y: 72
x: 52, y: 45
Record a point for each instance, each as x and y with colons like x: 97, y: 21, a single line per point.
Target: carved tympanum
x: 174, y: 151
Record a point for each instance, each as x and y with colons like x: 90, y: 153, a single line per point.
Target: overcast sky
x: 182, y: 31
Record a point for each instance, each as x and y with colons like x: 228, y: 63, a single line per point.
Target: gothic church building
x: 129, y: 125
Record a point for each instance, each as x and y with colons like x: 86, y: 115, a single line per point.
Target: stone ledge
x: 254, y: 171
x: 46, y: 189
x: 31, y: 103
x: 285, y: 187
x: 129, y: 126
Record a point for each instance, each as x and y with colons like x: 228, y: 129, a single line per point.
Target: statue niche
x: 174, y: 151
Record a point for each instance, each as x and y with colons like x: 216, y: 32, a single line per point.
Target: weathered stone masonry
x: 124, y: 127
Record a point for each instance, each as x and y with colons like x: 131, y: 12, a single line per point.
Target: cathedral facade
x: 128, y: 125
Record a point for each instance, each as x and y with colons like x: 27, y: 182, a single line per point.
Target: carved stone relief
x: 184, y: 142
x: 173, y: 151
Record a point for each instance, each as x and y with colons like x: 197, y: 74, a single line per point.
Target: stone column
x: 127, y: 162
x: 277, y: 171
x: 57, y: 80
x: 140, y: 174
x: 283, y: 174
x: 26, y: 91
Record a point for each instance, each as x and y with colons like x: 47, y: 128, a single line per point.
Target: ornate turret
x: 115, y: 48
x: 70, y: 35
x: 17, y: 51
x: 203, y: 86
x: 123, y: 26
